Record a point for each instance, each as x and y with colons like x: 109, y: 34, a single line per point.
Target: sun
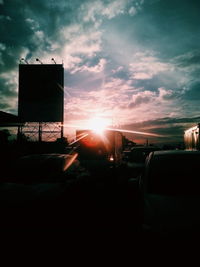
x: 98, y: 124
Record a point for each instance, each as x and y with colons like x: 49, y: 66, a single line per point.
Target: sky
x: 134, y: 62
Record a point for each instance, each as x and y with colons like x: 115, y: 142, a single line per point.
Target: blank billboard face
x: 41, y: 93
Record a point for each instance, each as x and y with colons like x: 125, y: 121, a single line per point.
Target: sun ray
x: 114, y: 129
x: 83, y: 136
x: 135, y: 132
x: 97, y: 124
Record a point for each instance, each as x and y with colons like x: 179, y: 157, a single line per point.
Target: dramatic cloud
x: 141, y: 98
x: 147, y: 66
x: 170, y: 129
x: 128, y: 60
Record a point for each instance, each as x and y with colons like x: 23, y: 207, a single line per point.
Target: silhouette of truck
x: 106, y: 146
x: 192, y: 138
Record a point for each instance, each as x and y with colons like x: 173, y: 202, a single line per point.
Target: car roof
x: 170, y: 153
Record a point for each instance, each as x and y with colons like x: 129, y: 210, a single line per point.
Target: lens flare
x: 98, y: 125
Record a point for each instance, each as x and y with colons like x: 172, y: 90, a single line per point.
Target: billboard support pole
x: 61, y: 133
x: 19, y: 133
x: 40, y: 132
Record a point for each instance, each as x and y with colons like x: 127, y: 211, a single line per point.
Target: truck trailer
x: 192, y: 138
x: 106, y: 146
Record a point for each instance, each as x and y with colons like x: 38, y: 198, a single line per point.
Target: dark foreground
x: 89, y: 196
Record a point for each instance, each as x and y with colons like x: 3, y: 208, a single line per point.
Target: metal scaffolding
x: 41, y: 131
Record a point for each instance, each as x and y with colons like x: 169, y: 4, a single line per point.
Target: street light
x: 37, y: 59
x: 23, y: 59
x: 53, y: 60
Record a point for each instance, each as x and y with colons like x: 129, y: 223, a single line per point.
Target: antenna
x: 37, y: 59
x: 23, y: 59
x: 53, y: 60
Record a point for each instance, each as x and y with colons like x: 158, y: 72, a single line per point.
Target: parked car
x: 39, y: 168
x: 134, y: 159
x: 170, y: 187
x: 138, y: 154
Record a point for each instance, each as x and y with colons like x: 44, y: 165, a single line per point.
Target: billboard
x: 41, y: 93
x: 192, y: 138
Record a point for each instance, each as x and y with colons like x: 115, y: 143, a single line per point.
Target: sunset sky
x: 134, y: 62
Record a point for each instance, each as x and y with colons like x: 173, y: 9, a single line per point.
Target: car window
x: 138, y: 156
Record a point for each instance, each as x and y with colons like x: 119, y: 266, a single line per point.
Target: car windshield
x: 175, y: 175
